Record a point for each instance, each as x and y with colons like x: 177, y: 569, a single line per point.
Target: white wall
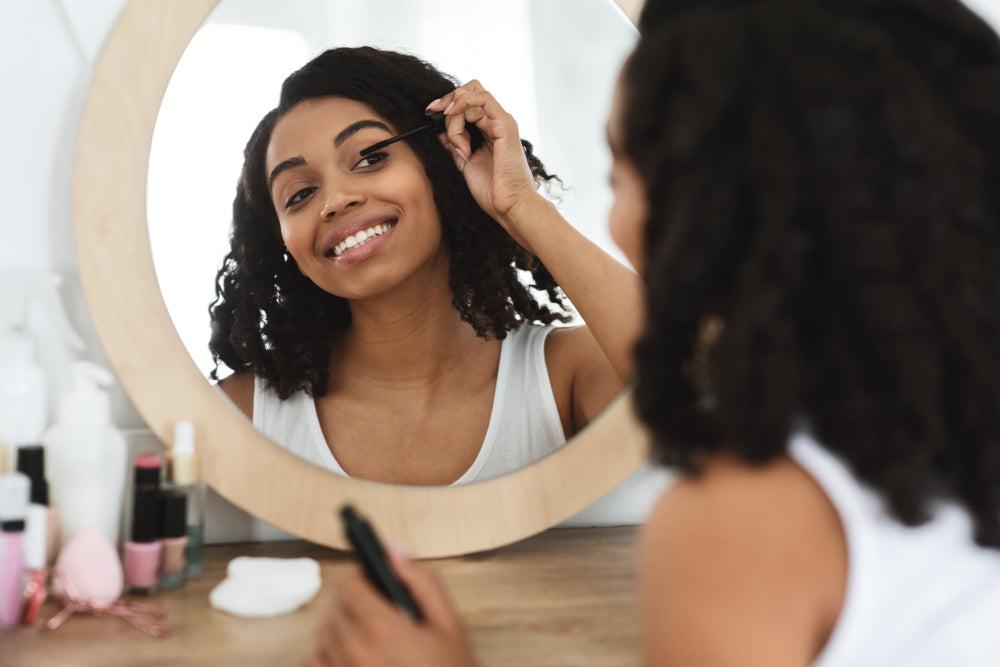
x: 47, y: 52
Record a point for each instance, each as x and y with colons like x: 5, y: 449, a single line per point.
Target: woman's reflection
x: 375, y: 309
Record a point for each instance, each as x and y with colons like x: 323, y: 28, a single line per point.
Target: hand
x: 497, y: 174
x: 363, y: 628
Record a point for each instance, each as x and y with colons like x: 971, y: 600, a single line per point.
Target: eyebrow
x: 357, y: 126
x: 342, y: 136
x: 291, y: 163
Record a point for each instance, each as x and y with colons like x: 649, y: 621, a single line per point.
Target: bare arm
x: 238, y: 387
x: 607, y: 294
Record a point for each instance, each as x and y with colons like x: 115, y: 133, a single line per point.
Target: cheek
x: 292, y: 237
x: 420, y: 206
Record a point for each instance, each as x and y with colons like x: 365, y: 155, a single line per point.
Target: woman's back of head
x: 820, y: 178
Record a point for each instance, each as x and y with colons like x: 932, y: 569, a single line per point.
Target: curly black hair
x: 822, y: 177
x: 269, y: 318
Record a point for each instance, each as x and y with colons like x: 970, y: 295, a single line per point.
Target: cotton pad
x: 266, y: 587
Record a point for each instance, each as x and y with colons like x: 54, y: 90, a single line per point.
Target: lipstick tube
x: 40, y: 532
x: 15, y: 490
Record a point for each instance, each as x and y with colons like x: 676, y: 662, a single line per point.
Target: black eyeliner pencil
x: 376, y: 566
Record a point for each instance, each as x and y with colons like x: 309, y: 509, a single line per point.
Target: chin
x: 364, y: 287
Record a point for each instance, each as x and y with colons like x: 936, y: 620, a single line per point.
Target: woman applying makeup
x: 808, y: 189
x: 374, y: 307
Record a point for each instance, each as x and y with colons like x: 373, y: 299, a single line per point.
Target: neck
x: 410, y: 336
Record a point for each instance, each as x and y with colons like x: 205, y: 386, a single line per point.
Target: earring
x: 698, y: 368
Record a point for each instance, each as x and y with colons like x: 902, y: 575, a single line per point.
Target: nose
x: 339, y: 202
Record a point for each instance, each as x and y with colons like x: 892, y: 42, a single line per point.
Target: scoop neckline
x: 488, y: 439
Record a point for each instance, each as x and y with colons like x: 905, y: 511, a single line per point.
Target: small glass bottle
x: 173, y: 538
x: 185, y: 474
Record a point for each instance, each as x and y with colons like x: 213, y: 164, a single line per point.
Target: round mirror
x: 552, y: 66
x: 552, y: 74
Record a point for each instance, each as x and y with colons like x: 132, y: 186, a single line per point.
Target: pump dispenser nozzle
x: 87, y: 402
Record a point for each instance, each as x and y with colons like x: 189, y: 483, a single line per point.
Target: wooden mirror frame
x: 135, y: 329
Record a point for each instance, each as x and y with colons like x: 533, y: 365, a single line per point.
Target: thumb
x: 428, y: 590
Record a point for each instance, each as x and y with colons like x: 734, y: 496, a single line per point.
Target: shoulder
x: 742, y: 565
x: 572, y: 352
x: 581, y: 372
x: 239, y: 388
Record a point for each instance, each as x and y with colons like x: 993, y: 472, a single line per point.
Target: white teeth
x: 360, y: 238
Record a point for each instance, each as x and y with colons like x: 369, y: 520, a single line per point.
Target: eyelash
x: 296, y: 199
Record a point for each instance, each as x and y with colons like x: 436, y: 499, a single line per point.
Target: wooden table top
x: 564, y: 597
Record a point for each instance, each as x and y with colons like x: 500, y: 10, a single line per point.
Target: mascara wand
x: 434, y: 121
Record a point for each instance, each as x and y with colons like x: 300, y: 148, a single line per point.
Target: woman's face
x: 355, y: 226
x: 629, y: 209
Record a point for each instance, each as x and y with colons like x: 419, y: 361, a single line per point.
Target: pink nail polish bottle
x: 15, y: 489
x: 142, y: 551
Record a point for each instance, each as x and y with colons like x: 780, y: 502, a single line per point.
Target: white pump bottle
x: 37, y: 344
x: 86, y: 457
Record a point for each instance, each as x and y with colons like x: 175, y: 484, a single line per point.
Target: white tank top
x: 524, y: 422
x: 921, y: 597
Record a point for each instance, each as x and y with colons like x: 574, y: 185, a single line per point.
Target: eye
x: 299, y: 197
x: 371, y: 160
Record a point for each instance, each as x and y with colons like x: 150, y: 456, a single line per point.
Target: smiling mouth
x: 359, y: 239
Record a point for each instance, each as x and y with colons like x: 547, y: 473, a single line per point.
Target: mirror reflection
x: 437, y: 309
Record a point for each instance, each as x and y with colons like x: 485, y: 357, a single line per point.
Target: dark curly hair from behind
x: 821, y: 179
x: 269, y: 318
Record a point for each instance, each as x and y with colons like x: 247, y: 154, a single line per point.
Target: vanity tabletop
x: 564, y: 597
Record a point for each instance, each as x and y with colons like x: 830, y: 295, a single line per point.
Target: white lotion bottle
x: 37, y: 343
x: 87, y: 457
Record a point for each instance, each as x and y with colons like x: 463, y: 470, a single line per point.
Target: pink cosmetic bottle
x: 142, y: 551
x: 15, y: 489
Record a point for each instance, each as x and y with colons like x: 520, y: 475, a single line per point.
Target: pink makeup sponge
x: 88, y: 570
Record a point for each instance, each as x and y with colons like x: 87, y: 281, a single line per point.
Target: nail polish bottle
x: 173, y: 538
x: 185, y: 474
x: 143, y: 550
x: 15, y: 490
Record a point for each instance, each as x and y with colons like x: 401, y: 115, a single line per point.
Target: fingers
x: 332, y: 641
x: 457, y: 135
x: 366, y: 609
x: 456, y: 154
x: 470, y: 103
x: 428, y: 590
x: 359, y: 623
